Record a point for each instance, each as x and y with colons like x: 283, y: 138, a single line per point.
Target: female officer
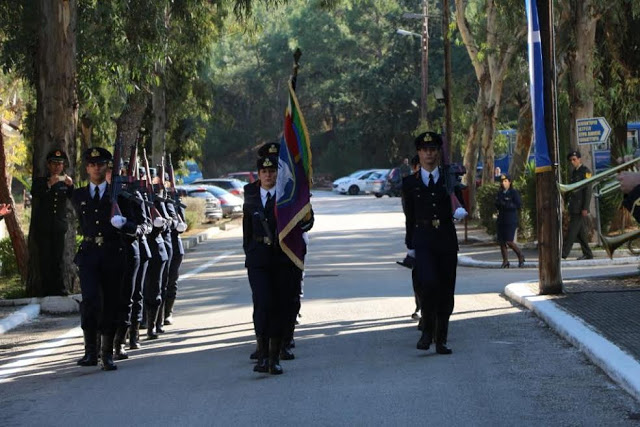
x: 508, y: 203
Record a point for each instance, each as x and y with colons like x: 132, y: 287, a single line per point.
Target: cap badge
x: 273, y: 149
x: 95, y: 153
x: 427, y: 138
x: 267, y: 163
x: 58, y: 153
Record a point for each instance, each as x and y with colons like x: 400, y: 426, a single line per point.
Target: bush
x: 526, y: 185
x: 8, y: 258
x: 194, y: 212
x: 486, y: 200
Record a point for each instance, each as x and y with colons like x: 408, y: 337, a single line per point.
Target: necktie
x: 269, y: 205
x: 96, y: 194
x: 430, y: 180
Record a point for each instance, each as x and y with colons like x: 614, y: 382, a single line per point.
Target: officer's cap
x: 428, y: 139
x: 572, y: 154
x: 97, y: 155
x: 269, y: 149
x: 505, y: 176
x: 57, y: 156
x: 267, y: 162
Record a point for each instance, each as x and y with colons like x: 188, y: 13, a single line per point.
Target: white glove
x: 305, y: 237
x: 182, y: 226
x: 158, y: 222
x: 460, y: 213
x: 118, y: 221
x: 411, y: 253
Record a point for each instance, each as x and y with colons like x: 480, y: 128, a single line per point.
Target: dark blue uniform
x: 274, y: 278
x: 51, y: 224
x: 178, y: 216
x: 153, y: 278
x: 508, y: 203
x: 430, y: 231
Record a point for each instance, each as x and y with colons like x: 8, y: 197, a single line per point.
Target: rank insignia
x: 428, y: 138
x: 95, y: 153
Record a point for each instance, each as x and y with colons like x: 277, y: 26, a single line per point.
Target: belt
x: 98, y: 240
x: 265, y: 240
x: 435, y: 223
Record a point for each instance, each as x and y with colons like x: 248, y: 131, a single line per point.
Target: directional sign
x: 594, y: 130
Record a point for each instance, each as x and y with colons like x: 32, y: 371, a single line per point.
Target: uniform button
x: 99, y: 234
x: 97, y: 222
x: 96, y: 210
x: 54, y: 211
x: 434, y: 204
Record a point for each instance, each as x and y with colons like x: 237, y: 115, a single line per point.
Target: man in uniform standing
x: 431, y: 238
x: 99, y: 259
x: 579, y: 201
x: 51, y: 194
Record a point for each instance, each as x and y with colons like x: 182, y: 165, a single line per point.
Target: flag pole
x: 296, y: 64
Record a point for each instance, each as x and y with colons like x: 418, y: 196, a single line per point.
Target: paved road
x: 356, y: 359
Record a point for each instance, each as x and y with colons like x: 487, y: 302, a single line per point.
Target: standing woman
x: 508, y: 203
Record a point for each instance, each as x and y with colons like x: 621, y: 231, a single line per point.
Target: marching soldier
x: 273, y: 277
x: 177, y: 213
x: 99, y: 260
x: 51, y: 193
x: 579, y: 201
x: 431, y: 239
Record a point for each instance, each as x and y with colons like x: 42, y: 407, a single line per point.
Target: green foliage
x: 526, y: 185
x: 486, y: 200
x: 12, y: 287
x: 8, y: 258
x: 194, y: 211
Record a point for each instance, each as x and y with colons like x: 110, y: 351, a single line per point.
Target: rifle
x: 149, y: 186
x: 172, y: 184
x: 116, y: 178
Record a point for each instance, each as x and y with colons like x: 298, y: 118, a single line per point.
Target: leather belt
x: 265, y: 240
x: 98, y: 240
x: 435, y: 223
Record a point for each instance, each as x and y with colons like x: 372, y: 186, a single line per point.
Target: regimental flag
x: 536, y: 77
x: 294, y: 182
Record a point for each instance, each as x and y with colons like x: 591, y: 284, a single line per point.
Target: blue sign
x: 594, y: 130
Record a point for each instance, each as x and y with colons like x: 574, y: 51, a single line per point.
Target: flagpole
x: 296, y: 64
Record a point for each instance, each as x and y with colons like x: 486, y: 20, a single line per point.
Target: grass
x: 12, y: 288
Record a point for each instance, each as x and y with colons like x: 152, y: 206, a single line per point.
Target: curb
x: 26, y: 313
x: 71, y: 304
x: 618, y: 365
x: 467, y: 261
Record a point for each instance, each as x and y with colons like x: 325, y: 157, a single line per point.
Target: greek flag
x: 536, y: 77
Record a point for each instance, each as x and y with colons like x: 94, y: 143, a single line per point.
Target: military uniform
x: 579, y: 200
x: 138, y: 291
x: 431, y: 233
x: 508, y: 203
x: 177, y: 213
x: 50, y: 224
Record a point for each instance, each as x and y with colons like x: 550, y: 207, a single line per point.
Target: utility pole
x: 547, y: 197
x: 425, y: 60
x: 448, y: 126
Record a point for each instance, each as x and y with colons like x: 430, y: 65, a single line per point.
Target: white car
x: 361, y: 181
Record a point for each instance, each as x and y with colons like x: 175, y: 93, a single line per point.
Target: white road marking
x: 47, y: 348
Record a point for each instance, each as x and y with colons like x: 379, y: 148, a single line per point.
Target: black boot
x: 274, y: 359
x: 442, y: 330
x: 168, y: 311
x: 90, y: 357
x: 118, y: 343
x: 426, y: 338
x: 134, y: 336
x: 152, y: 313
x: 262, y: 355
x: 285, y: 352
x: 106, y: 355
x: 160, y: 320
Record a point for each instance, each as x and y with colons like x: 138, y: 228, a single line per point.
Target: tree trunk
x: 159, y: 123
x: 130, y: 119
x: 13, y: 225
x: 56, y: 120
x: 524, y: 136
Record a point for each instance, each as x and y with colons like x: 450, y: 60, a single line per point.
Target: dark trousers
x: 174, y: 275
x: 51, y: 251
x: 416, y: 288
x: 138, y: 293
x: 273, y: 291
x: 165, y: 271
x: 131, y: 267
x: 577, y: 231
x: 100, y: 271
x: 436, y: 277
x: 153, y: 276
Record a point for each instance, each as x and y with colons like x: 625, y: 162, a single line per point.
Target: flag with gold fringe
x: 294, y: 182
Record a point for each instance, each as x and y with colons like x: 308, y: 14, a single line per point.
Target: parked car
x: 246, y: 177
x: 392, y: 185
x: 231, y: 205
x: 232, y: 185
x: 361, y: 181
x: 212, y: 207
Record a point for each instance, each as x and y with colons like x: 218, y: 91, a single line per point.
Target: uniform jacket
x: 52, y: 212
x: 177, y: 215
x: 579, y: 200
x: 259, y: 231
x: 428, y: 216
x: 508, y: 202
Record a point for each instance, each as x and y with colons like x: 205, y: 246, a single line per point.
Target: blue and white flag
x: 536, y: 77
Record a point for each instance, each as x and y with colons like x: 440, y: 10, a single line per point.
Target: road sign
x: 594, y: 130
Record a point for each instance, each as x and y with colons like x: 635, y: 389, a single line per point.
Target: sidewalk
x: 598, y: 315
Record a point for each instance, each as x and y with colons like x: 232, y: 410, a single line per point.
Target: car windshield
x: 217, y: 191
x: 201, y: 194
x: 357, y: 173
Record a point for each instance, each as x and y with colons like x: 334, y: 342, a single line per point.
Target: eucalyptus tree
x: 492, y: 32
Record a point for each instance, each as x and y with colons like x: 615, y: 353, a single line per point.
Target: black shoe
x: 521, y: 263
x: 583, y: 257
x: 287, y: 354
x: 425, y: 341
x: 275, y: 368
x: 416, y: 315
x: 88, y: 360
x: 106, y: 355
x: 443, y: 349
x: 262, y: 366
x: 118, y: 344
x: 505, y: 264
